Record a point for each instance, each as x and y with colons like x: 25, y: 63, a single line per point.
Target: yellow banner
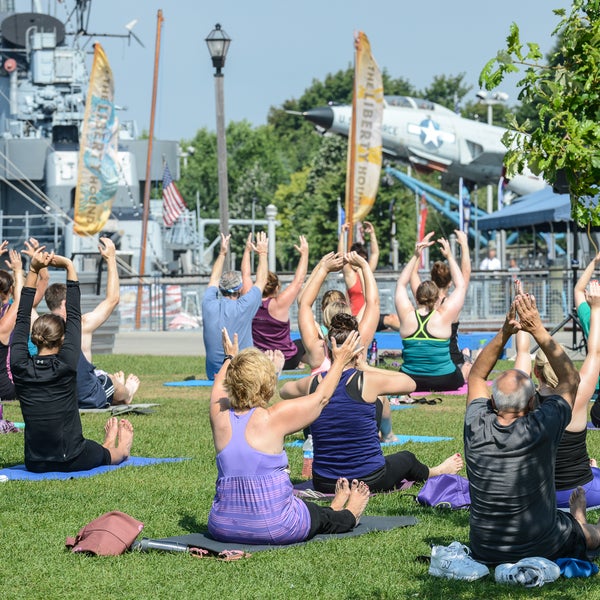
x: 367, y: 117
x: 97, y: 173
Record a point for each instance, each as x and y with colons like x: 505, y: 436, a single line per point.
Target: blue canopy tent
x: 544, y: 210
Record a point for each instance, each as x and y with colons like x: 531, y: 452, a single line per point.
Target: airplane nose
x: 322, y: 116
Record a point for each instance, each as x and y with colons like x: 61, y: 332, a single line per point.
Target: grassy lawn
x: 174, y: 499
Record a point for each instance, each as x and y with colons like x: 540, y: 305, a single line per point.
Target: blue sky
x: 279, y: 47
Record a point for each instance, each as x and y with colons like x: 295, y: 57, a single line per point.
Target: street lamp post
x: 218, y: 44
x: 489, y: 99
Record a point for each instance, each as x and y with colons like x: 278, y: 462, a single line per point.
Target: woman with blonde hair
x: 254, y: 501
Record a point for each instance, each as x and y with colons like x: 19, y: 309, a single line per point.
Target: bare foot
x: 593, y: 463
x: 277, y: 358
x: 111, y: 428
x: 342, y: 493
x: 389, y: 438
x: 119, y: 376
x: 125, y: 437
x: 132, y: 384
x: 578, y: 505
x: 359, y: 498
x: 452, y: 465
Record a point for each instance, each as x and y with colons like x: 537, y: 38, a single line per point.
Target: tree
x: 447, y: 90
x: 566, y: 96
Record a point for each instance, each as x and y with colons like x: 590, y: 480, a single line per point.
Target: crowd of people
x: 525, y: 448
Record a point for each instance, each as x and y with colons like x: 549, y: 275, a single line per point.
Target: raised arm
x: 529, y: 318
x: 217, y: 269
x: 7, y: 322
x: 219, y: 401
x: 370, y: 315
x: 454, y: 303
x: 488, y: 357
x: 306, y: 320
x: 286, y: 298
x: 246, y: 267
x: 582, y: 282
x: 465, y: 256
x: 95, y: 318
x: 523, y: 352
x: 374, y: 245
x: 591, y: 365
x: 262, y: 270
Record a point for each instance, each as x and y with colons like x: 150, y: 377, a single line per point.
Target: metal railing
x: 175, y: 303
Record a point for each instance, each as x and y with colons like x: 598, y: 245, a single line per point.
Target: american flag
x: 173, y: 204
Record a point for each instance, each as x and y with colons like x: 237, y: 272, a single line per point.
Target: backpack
x: 445, y: 491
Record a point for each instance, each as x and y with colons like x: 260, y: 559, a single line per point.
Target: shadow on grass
x: 191, y: 524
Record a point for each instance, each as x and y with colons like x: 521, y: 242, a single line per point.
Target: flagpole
x: 148, y: 184
x: 352, y: 154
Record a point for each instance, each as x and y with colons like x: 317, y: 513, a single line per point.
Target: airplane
x: 431, y: 137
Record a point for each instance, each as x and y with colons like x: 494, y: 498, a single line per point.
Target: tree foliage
x: 565, y: 94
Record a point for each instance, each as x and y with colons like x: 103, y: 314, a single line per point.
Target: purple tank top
x: 269, y: 333
x: 254, y: 500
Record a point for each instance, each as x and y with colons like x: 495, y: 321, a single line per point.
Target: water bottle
x: 373, y: 358
x: 307, y: 449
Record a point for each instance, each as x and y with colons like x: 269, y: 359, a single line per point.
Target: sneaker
x: 454, y: 562
x: 529, y: 572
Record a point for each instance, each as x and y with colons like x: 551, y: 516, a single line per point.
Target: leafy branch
x: 566, y: 97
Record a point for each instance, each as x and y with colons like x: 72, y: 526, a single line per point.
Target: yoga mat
x: 120, y: 409
x: 402, y: 439
x: 19, y: 472
x: 304, y: 489
x: 208, y: 382
x: 402, y: 406
x: 178, y: 543
x: 590, y: 425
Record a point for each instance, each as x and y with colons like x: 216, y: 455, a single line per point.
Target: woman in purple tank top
x: 254, y: 501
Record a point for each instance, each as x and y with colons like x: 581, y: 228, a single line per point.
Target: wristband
x: 227, y: 357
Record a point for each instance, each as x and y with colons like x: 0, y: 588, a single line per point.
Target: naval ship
x: 44, y: 75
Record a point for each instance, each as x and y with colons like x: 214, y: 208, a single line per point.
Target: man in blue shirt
x: 231, y: 301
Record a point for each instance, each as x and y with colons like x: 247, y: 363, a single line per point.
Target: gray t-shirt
x: 511, y: 481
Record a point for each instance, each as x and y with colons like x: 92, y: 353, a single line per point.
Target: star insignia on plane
x: 432, y: 137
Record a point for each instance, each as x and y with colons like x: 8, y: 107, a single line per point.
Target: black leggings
x: 293, y: 361
x: 595, y: 413
x: 93, y: 455
x: 398, y: 466
x: 438, y: 383
x: 324, y: 519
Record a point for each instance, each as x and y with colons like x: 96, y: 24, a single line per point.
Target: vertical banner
x: 422, y: 225
x: 97, y: 171
x: 464, y: 207
x: 364, y: 141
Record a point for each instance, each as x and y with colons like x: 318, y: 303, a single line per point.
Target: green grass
x: 174, y: 499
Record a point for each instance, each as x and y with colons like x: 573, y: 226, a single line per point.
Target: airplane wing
x: 428, y: 161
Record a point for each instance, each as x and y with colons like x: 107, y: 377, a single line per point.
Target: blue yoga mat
x: 402, y: 406
x: 209, y: 382
x: 402, y: 439
x: 19, y: 472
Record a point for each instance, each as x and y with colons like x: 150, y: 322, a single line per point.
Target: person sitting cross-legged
x: 510, y: 452
x: 254, y: 501
x: 45, y: 383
